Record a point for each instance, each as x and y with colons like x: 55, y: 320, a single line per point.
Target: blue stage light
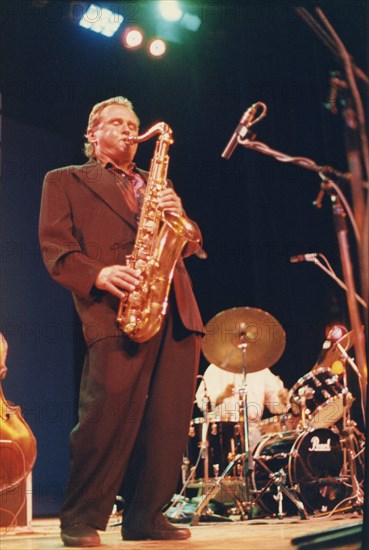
x: 170, y: 10
x: 101, y: 20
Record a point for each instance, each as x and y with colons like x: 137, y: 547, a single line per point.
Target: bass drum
x: 311, y: 460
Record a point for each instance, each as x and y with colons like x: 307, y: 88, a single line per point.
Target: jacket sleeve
x: 62, y: 254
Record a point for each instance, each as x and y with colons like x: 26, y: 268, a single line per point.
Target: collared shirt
x: 130, y: 182
x: 263, y: 389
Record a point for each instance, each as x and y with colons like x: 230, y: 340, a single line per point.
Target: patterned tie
x: 137, y: 183
x: 131, y: 186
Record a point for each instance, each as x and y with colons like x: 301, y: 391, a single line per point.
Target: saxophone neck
x: 158, y: 128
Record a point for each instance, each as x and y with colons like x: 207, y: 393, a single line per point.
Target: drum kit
x: 309, y: 461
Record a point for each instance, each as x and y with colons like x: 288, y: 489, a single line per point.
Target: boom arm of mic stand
x: 329, y: 42
x: 338, y: 281
x: 348, y: 359
x: 341, y: 231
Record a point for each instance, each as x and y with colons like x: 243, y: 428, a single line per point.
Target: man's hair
x: 94, y: 118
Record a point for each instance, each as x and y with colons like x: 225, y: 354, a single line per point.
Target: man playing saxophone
x: 135, y: 398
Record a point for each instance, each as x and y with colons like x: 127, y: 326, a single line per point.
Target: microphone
x: 335, y: 333
x: 240, y: 131
x: 303, y: 258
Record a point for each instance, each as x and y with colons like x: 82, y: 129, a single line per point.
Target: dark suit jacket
x: 85, y: 225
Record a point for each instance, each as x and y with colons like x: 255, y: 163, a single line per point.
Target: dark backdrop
x: 254, y: 212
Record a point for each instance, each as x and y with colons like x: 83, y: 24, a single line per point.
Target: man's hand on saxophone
x: 169, y: 200
x: 117, y: 278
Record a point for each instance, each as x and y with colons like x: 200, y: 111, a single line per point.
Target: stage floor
x: 256, y: 534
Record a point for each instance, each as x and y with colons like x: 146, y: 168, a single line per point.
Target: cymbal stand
x: 204, y: 440
x: 243, y: 506
x: 217, y: 485
x: 245, y: 438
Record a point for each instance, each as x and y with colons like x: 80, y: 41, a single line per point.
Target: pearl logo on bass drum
x: 320, y: 447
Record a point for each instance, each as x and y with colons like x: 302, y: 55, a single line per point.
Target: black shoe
x: 80, y: 534
x: 157, y: 529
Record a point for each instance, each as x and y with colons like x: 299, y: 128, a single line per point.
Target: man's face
x: 116, y: 122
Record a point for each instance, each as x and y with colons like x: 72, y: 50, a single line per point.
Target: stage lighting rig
x: 101, y: 20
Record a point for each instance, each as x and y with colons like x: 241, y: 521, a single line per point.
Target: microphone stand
x: 327, y: 173
x: 355, y: 133
x: 341, y: 230
x: 339, y: 216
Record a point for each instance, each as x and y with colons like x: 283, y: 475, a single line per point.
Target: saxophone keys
x: 149, y: 225
x: 134, y: 299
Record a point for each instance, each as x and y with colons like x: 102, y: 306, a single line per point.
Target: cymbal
x: 225, y: 333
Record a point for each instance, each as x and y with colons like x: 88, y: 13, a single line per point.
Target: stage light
x: 101, y: 20
x: 190, y: 22
x: 170, y: 10
x: 157, y: 47
x: 132, y: 37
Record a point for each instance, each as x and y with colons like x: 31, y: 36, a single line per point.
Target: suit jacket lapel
x: 103, y: 183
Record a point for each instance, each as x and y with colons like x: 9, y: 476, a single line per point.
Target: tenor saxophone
x: 160, y: 239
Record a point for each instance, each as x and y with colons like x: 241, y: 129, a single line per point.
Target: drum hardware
x: 304, y: 394
x: 245, y: 456
x: 202, y: 510
x: 318, y: 397
x: 279, y: 480
x: 182, y: 510
x: 211, y: 446
x: 241, y: 340
x: 350, y: 455
x: 205, y: 446
x: 219, y: 484
x: 321, y: 400
x: 349, y: 427
x: 314, y: 466
x: 188, y: 474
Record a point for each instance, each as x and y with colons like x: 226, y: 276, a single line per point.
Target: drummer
x: 218, y: 397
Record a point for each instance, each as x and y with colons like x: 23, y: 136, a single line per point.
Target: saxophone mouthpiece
x: 131, y: 139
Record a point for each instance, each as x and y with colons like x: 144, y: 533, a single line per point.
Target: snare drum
x: 220, y: 438
x: 324, y: 398
x: 311, y: 460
